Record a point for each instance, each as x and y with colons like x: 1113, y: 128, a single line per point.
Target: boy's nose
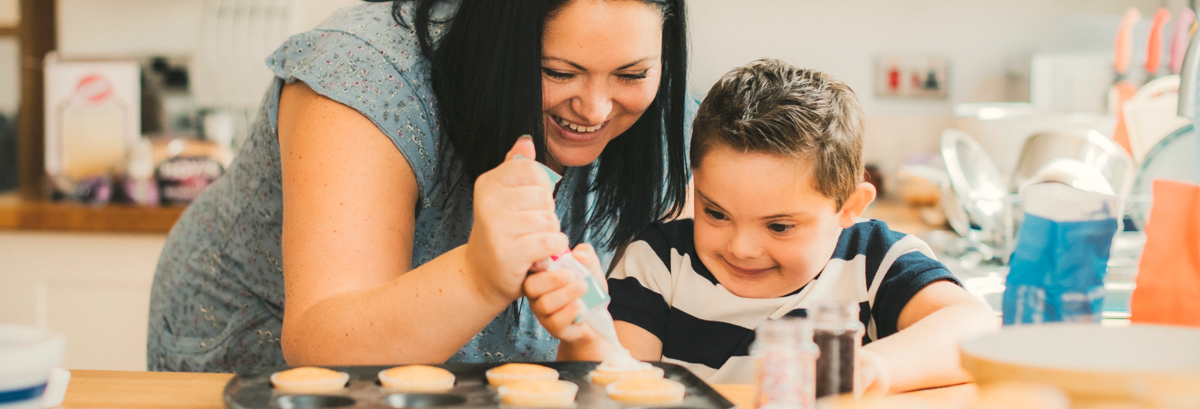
x: 744, y: 246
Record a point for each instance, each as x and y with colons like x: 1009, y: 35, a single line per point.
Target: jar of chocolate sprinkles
x: 838, y: 334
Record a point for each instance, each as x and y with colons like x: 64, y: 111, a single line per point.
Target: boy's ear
x: 856, y: 204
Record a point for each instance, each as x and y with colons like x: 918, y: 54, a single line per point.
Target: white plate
x: 978, y: 185
x: 1147, y: 363
x: 1173, y: 158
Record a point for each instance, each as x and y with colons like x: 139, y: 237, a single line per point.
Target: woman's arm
x: 924, y: 353
x: 349, y: 199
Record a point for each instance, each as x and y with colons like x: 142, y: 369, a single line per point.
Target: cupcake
x: 508, y: 373
x: 309, y: 379
x: 643, y: 390
x: 620, y: 365
x: 539, y: 393
x: 416, y: 378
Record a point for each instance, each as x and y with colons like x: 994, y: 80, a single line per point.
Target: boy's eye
x: 562, y: 76
x: 715, y: 215
x: 780, y: 228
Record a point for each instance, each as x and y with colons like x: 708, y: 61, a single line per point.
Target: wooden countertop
x: 173, y: 390
x: 16, y: 214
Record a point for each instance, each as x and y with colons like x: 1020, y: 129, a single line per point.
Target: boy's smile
x: 762, y: 228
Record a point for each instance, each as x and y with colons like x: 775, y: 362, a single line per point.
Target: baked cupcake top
x: 541, y: 386
x: 417, y: 373
x: 305, y: 374
x: 523, y: 370
x: 309, y: 379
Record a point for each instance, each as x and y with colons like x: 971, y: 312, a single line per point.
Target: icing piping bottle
x: 596, y: 299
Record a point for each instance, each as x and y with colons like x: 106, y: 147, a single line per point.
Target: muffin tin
x: 253, y: 390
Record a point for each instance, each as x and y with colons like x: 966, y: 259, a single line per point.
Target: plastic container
x: 27, y: 357
x: 785, y: 364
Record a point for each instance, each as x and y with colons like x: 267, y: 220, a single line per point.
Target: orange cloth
x: 1168, y: 281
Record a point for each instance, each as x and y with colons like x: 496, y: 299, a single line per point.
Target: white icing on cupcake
x: 619, y: 360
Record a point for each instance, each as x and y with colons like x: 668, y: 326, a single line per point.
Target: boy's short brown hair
x: 769, y: 106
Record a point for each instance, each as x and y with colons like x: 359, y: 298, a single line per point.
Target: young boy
x: 777, y: 159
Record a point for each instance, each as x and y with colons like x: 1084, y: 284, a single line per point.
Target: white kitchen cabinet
x: 94, y: 288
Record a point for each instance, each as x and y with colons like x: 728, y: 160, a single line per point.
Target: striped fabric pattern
x: 660, y: 285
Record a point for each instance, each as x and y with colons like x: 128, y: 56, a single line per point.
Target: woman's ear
x: 856, y: 204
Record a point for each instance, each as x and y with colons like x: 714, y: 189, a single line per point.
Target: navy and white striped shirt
x: 660, y: 285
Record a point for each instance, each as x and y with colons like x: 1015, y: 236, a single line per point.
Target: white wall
x: 10, y: 55
x: 987, y: 45
x: 9, y: 12
x: 138, y: 28
x: 95, y: 288
x: 10, y: 78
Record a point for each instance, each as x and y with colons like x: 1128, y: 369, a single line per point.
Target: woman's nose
x: 594, y: 103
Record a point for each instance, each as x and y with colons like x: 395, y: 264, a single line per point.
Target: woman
x: 380, y: 191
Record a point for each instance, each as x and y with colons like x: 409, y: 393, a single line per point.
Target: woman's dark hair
x: 487, y: 77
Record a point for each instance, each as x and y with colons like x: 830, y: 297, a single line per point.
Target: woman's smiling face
x: 601, y: 66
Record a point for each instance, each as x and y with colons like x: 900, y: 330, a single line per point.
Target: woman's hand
x: 515, y: 225
x: 554, y: 297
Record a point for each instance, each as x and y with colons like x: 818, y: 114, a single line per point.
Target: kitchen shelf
x: 17, y: 214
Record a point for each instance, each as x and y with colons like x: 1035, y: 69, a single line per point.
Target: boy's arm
x: 924, y: 353
x: 642, y: 344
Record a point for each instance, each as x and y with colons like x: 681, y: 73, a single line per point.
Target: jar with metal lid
x: 838, y: 333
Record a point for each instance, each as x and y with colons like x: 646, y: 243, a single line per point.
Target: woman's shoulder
x: 361, y: 57
x: 364, y: 28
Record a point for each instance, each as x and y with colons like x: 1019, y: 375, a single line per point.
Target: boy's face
x: 761, y: 227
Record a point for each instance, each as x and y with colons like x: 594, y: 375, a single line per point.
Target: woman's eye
x: 715, y: 215
x: 557, y: 75
x: 780, y: 228
x: 634, y: 77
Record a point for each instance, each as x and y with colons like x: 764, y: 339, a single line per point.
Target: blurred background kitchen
x: 114, y: 113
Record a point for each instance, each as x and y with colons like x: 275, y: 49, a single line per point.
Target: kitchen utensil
x: 1122, y: 89
x: 1001, y: 128
x: 1187, y: 78
x: 1179, y: 38
x: 1154, y: 47
x: 1138, y: 364
x: 978, y: 185
x: 253, y: 390
x: 1173, y: 158
x: 1089, y: 147
x: 1150, y: 115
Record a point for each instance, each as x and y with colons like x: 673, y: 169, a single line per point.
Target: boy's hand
x: 554, y: 297
x: 872, y: 373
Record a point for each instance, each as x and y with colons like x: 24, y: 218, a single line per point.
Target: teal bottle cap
x: 554, y: 177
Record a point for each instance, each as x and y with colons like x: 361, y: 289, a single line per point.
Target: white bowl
x: 1154, y: 364
x: 27, y: 357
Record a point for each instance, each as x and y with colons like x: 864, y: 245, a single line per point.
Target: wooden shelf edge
x: 116, y: 218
